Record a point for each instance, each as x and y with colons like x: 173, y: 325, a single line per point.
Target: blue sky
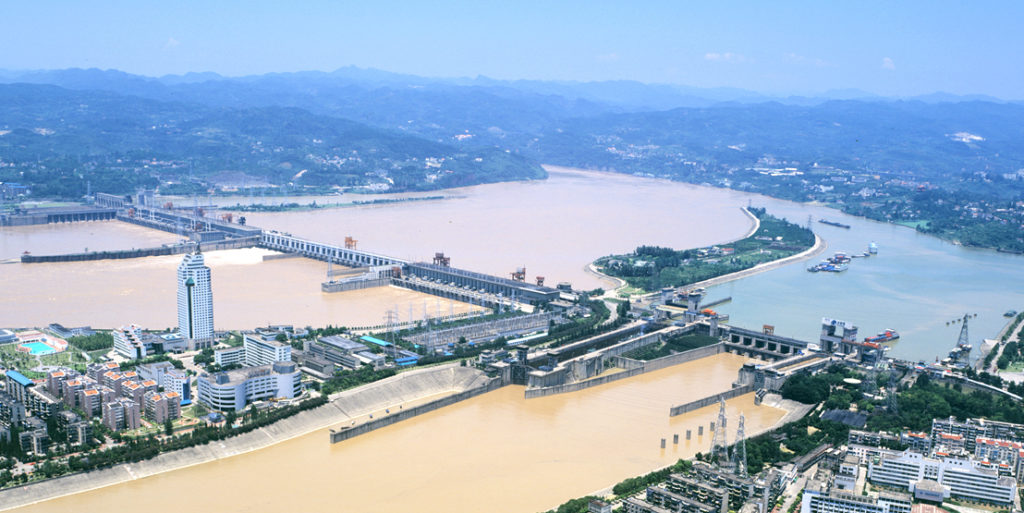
x: 891, y: 48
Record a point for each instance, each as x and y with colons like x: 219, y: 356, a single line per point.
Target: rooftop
x: 344, y: 343
x: 20, y: 378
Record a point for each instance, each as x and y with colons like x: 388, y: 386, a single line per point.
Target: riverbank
x: 818, y: 248
x: 296, y: 207
x: 351, y: 407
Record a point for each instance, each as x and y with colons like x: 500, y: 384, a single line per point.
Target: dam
x: 499, y: 450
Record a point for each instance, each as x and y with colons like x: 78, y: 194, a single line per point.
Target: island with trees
x: 650, y: 268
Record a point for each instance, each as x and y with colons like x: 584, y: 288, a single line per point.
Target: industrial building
x: 519, y: 290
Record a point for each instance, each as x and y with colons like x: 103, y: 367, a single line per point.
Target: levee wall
x: 708, y: 401
x: 346, y: 433
x: 633, y: 368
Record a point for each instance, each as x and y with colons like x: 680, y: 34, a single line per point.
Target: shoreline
x: 820, y: 245
x: 566, y: 169
x: 333, y: 413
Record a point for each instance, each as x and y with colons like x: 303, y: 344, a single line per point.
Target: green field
x: 913, y: 224
x: 11, y: 357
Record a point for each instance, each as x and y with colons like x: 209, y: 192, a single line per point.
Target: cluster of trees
x: 131, y: 364
x: 562, y: 334
x: 204, y: 357
x: 626, y: 487
x: 635, y: 484
x: 944, y: 213
x: 665, y: 267
x: 767, y: 449
x: 95, y: 342
x: 139, y: 449
x: 1012, y: 352
x: 926, y: 400
x: 351, y: 379
x: 813, y: 389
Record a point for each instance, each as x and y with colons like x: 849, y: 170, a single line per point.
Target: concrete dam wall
x: 708, y: 401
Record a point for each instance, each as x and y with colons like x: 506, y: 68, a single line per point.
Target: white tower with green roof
x: 195, y: 301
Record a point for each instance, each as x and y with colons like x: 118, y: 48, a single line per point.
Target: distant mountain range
x: 392, y: 120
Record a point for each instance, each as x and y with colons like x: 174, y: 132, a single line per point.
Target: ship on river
x: 833, y: 223
x: 886, y: 336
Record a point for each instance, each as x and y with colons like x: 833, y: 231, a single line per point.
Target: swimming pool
x: 38, y: 348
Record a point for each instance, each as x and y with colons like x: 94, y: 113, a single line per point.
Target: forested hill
x: 55, y: 140
x: 931, y: 142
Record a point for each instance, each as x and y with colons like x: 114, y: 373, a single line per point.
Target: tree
x: 281, y: 337
x: 168, y: 427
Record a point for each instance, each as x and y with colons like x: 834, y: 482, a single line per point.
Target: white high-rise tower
x: 195, y: 301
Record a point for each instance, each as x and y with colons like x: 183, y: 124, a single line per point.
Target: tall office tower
x: 195, y: 302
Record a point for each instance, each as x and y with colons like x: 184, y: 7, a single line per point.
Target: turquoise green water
x: 38, y: 348
x: 915, y: 284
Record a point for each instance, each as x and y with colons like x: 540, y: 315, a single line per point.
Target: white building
x: 232, y: 390
x: 835, y: 501
x: 229, y: 356
x: 130, y: 343
x: 965, y: 478
x: 265, y: 352
x: 195, y: 301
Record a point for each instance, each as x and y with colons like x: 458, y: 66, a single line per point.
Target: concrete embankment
x: 344, y: 407
x: 350, y: 432
x: 708, y: 401
x: 632, y: 368
x: 818, y: 248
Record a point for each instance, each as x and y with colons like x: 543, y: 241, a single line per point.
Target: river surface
x: 247, y: 292
x: 554, y: 227
x: 915, y: 285
x: 494, y: 452
x: 498, y: 451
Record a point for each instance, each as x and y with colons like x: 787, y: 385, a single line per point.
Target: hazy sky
x: 892, y: 47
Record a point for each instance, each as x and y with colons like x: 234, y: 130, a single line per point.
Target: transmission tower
x: 719, y: 442
x: 891, y: 400
x: 391, y: 321
x: 870, y: 383
x: 740, y: 451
